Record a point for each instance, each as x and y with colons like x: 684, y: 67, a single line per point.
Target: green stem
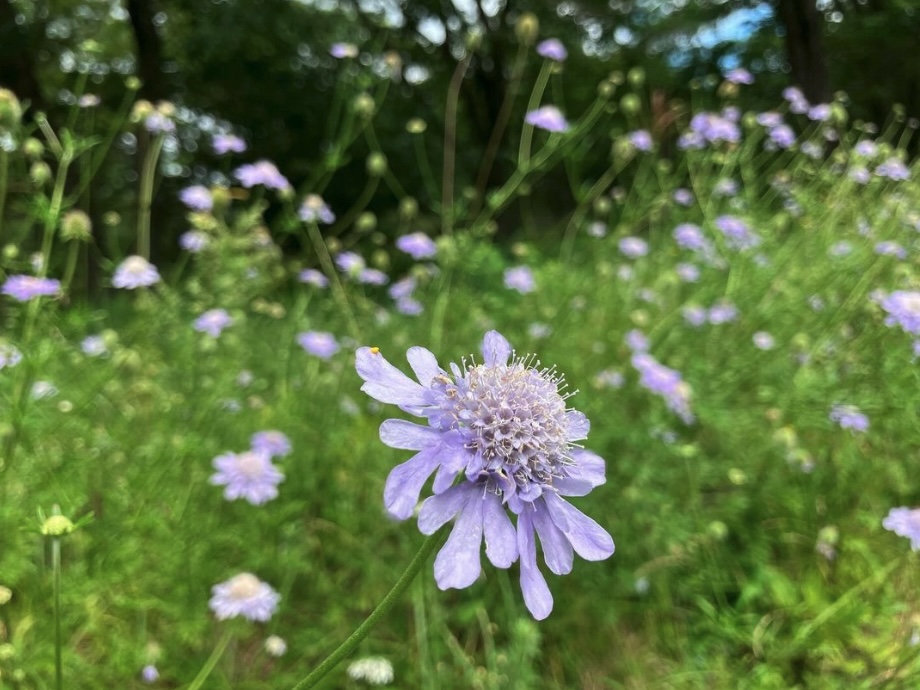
x: 527, y: 133
x: 383, y: 608
x: 212, y: 661
x: 338, y: 291
x: 4, y: 173
x: 146, y: 196
x: 450, y: 145
x: 56, y: 570
x: 73, y: 252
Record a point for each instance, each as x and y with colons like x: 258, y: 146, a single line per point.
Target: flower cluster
x: 499, y: 436
x: 666, y: 382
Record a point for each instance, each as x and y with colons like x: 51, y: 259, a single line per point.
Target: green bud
x: 5, y: 595
x: 636, y: 76
x: 526, y: 28
x: 57, y: 526
x: 416, y: 125
x: 606, y: 89
x: 829, y: 535
x: 380, y: 259
x: 10, y: 251
x: 364, y: 105
x: 7, y: 651
x: 737, y: 477
x: 33, y: 148
x: 40, y: 173
x: 76, y: 225
x: 376, y: 164
x: 718, y: 530
x: 367, y: 222
x: 630, y: 104
x: 602, y: 206
x: 10, y: 110
x: 408, y: 208
x: 133, y: 83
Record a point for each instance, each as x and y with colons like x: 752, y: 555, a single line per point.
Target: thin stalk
x: 73, y: 252
x: 527, y: 133
x: 148, y: 173
x: 389, y: 601
x: 58, y: 642
x: 212, y: 661
x: 338, y: 291
x: 4, y: 180
x: 450, y: 145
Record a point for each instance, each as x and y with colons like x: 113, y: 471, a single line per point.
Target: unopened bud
x: 376, y: 164
x: 76, y: 225
x: 630, y: 104
x: 10, y: 110
x: 364, y: 105
x: 40, y: 173
x: 367, y: 222
x: 141, y: 110
x: 416, y: 125
x: 636, y: 76
x: 33, y: 148
x: 56, y: 526
x: 5, y: 595
x: 526, y: 28
x: 408, y: 208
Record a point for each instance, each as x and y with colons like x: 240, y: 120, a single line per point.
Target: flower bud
x: 40, y: 173
x: 636, y: 76
x: 376, y: 164
x: 630, y: 104
x: 10, y: 110
x: 57, y: 526
x: 33, y: 148
x: 408, y: 208
x: 526, y: 28
x: 5, y: 595
x: 141, y: 110
x: 364, y: 105
x: 367, y: 222
x: 416, y: 125
x: 76, y: 225
x: 132, y: 83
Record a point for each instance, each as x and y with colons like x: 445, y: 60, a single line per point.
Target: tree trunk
x: 149, y: 50
x: 804, y: 27
x: 17, y: 52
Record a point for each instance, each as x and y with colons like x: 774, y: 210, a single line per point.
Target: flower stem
x: 212, y: 661
x: 148, y: 174
x: 349, y: 645
x: 56, y: 570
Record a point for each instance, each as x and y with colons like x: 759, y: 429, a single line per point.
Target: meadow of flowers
x: 216, y: 469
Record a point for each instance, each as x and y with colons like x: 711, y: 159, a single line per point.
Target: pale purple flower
x: 158, y: 123
x: 893, y: 169
x: 797, y: 102
x: 150, y: 674
x: 641, y: 139
x: 403, y: 287
x: 197, y: 197
x: 769, y: 119
x: 94, y: 346
x: 213, y: 322
x: 227, y: 143
x: 731, y: 113
x: 194, y: 241
x: 350, y: 263
x: 739, y: 75
x: 549, y: 117
x: 889, y: 248
x: 763, y: 340
x: 538, y: 330
x: 609, y: 378
x: 866, y: 148
x: 244, y: 595
x: 311, y: 276
x: 552, y: 49
x: 666, y: 382
x: 249, y: 475
x: 690, y: 141
x: 23, y: 288
x: 633, y: 247
x: 263, y: 173
x: 409, y: 306
x: 688, y: 273
x: 842, y: 248
x: 782, y: 136
x: 318, y: 343
x: 723, y: 312
x: 689, y: 236
x: 135, y: 272
x: 10, y: 355
x: 340, y: 51
x: 682, y: 196
x: 725, y: 187
x: 820, y: 112
x: 860, y: 174
x: 372, y: 276
x: 849, y: 417
x: 273, y: 443
x: 694, y: 315
x: 418, y: 245
x: 597, y: 229
x: 504, y: 430
x: 315, y: 210
x: 903, y: 307
x: 637, y: 341
x: 737, y: 233
x: 715, y: 128
x: 520, y: 278
x: 905, y: 522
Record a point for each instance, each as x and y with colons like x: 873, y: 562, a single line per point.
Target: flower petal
x: 405, y: 482
x: 438, y: 510
x: 583, y: 475
x: 536, y: 593
x: 557, y: 551
x: 501, y: 542
x: 424, y: 364
x: 397, y: 433
x: 588, y: 538
x: 578, y: 426
x: 386, y: 383
x: 457, y: 565
x: 495, y: 349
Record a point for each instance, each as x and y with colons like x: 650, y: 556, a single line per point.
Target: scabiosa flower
x: 725, y: 187
x: 739, y: 75
x: 737, y: 233
x: 782, y: 136
x: 22, y: 288
x: 197, y: 197
x: 849, y: 417
x: 552, y: 49
x: 194, y: 241
x: 403, y: 287
x: 213, y: 322
x: 409, y: 306
x: 905, y: 522
x: 503, y: 428
x: 372, y: 276
x: 318, y: 343
x: 549, y: 117
x: 813, y: 149
x: 227, y: 143
x: 893, y: 169
x: 244, y: 595
x: 273, y: 443
x: 315, y: 210
x: 609, y: 378
x: 520, y: 278
x: 538, y: 330
x: 903, y: 307
x: 715, y: 128
x: 889, y: 248
x: 350, y: 263
x: 641, y: 139
x: 689, y: 236
x: 724, y: 312
x: 94, y: 346
x: 417, y: 245
x: 158, y: 123
x: 688, y: 273
x: 842, y: 248
x: 666, y: 382
x: 763, y: 340
x: 682, y: 196
x: 637, y: 341
x: 860, y: 174
x: 263, y: 173
x: 249, y: 475
x: 10, y: 355
x: 769, y: 119
x: 820, y: 112
x: 695, y: 315
x: 311, y: 276
x: 633, y: 247
x: 373, y: 670
x: 597, y: 229
x: 150, y: 674
x: 275, y: 646
x: 135, y: 272
x: 797, y: 102
x: 866, y: 148
x: 340, y: 51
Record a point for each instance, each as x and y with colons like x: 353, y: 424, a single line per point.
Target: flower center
x: 244, y: 586
x: 250, y: 464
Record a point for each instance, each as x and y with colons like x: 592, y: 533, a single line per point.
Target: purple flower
x: 249, y: 475
x: 417, y: 245
x: 340, y: 51
x: 860, y: 174
x: 549, y: 117
x: 782, y: 136
x: 893, y: 169
x: 694, y: 315
x: 372, y: 276
x: 311, y: 276
x: 350, y: 263
x: 739, y: 75
x: 94, y: 346
x: 150, y: 674
x: 402, y: 288
x: 763, y: 340
x: 135, y: 272
x: 213, y: 322
x: 641, y: 139
x: 637, y: 341
x: 682, y: 196
x: 10, y: 356
x: 689, y: 236
x: 244, y: 595
x: 666, y: 382
x: 226, y: 143
x: 263, y: 173
x: 903, y: 307
x: 889, y: 248
x: 158, y: 123
x: 197, y: 197
x: 905, y: 522
x: 724, y: 312
x: 22, y: 288
x: 318, y: 343
x: 409, y: 306
x: 315, y: 210
x: 272, y: 442
x: 820, y: 112
x: 194, y: 241
x: 552, y: 49
x: 797, y: 102
x: 769, y: 119
x: 597, y: 229
x: 849, y: 417
x: 687, y: 272
x: 503, y: 429
x: 725, y: 187
x: 842, y: 248
x: 737, y: 233
x: 633, y: 247
x: 866, y: 148
x: 715, y: 128
x: 520, y: 278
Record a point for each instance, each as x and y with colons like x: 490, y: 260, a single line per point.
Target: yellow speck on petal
x: 375, y: 350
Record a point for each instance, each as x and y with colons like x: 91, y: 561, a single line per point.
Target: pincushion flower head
x: 499, y: 438
x: 244, y: 595
x: 250, y: 475
x: 135, y: 272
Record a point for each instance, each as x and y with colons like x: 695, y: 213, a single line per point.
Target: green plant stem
x: 527, y: 132
x: 148, y: 173
x: 450, y: 145
x: 4, y: 180
x: 348, y: 646
x: 56, y: 570
x: 212, y: 660
x: 338, y: 291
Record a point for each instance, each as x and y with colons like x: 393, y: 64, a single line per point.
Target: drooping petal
x: 583, y: 474
x: 424, y: 364
x: 397, y: 433
x: 438, y: 510
x: 405, y: 482
x: 386, y: 383
x: 536, y: 593
x: 578, y: 426
x: 501, y: 541
x: 495, y: 349
x: 588, y: 538
x: 557, y: 551
x: 457, y: 565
